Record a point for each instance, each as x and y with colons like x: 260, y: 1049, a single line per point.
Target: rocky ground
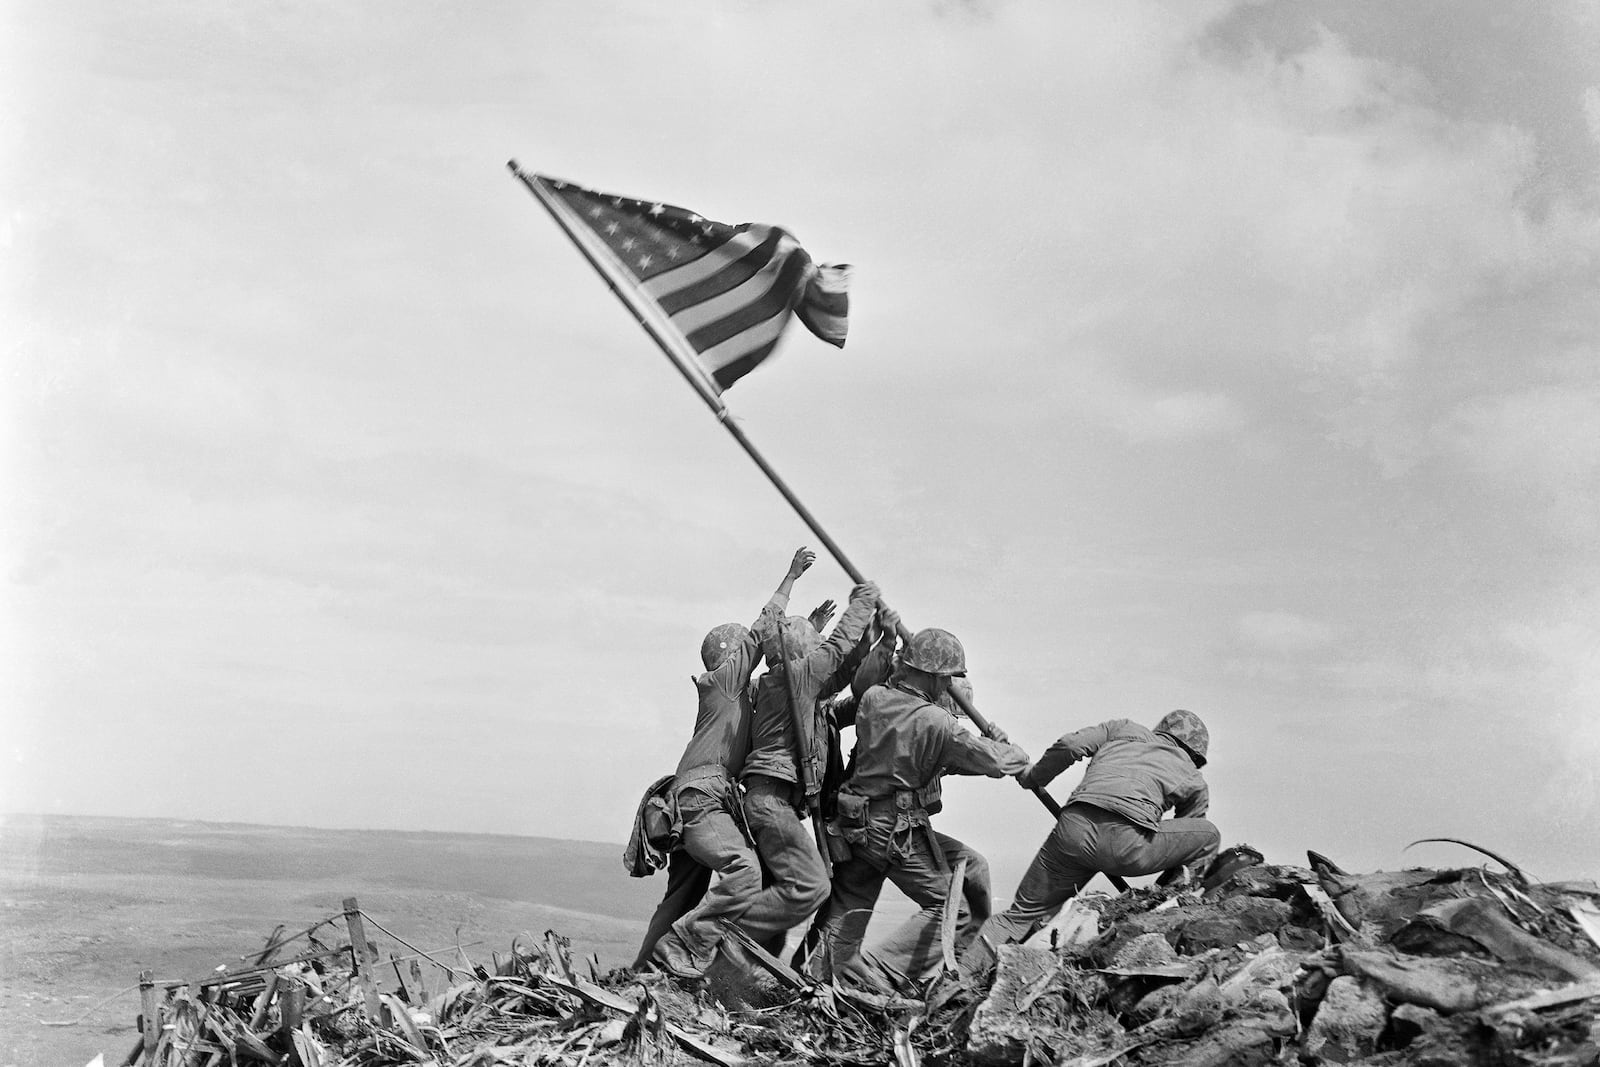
x: 1258, y: 964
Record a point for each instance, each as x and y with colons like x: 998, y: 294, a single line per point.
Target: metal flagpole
x: 984, y: 725
x: 681, y: 356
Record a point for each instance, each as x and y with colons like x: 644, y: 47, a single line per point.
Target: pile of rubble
x: 1258, y: 964
x: 1267, y: 964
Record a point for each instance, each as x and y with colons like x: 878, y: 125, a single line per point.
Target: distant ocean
x: 87, y: 903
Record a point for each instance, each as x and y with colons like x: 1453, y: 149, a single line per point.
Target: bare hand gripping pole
x: 683, y: 358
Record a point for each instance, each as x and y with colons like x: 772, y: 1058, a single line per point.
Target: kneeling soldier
x: 1112, y: 821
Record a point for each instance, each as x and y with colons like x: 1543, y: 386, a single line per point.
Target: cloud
x: 1179, y: 415
x: 1284, y: 633
x: 1200, y: 241
x: 1559, y: 707
x: 1540, y: 445
x: 1165, y: 356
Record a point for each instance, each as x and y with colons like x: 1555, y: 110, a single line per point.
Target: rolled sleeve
x: 778, y: 602
x: 770, y: 622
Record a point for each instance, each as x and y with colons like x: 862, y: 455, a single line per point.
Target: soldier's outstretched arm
x: 803, y: 559
x: 852, y: 624
x: 821, y: 614
x: 1065, y: 752
x: 779, y: 601
x: 967, y: 753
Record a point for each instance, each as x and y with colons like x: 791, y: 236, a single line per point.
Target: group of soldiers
x: 769, y: 826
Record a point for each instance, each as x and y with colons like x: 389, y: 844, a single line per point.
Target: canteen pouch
x: 838, y: 847
x: 852, y: 820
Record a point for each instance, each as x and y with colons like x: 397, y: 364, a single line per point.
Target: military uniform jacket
x: 824, y: 671
x: 721, y: 738
x: 904, y: 743
x: 1133, y: 772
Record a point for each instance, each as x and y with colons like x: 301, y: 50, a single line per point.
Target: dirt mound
x: 1259, y: 964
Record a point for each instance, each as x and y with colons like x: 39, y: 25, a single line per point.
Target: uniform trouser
x: 687, y: 881
x: 913, y: 946
x: 714, y: 839
x: 1088, y: 840
x: 798, y: 879
x: 894, y: 851
x: 897, y: 949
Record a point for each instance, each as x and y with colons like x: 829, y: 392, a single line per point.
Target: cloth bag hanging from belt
x: 656, y: 827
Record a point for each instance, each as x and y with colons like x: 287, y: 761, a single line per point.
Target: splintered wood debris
x: 1258, y: 964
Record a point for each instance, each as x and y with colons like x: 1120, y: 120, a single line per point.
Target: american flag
x: 726, y: 290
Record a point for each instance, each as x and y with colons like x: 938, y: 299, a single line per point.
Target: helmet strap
x: 918, y: 682
x: 1198, y: 760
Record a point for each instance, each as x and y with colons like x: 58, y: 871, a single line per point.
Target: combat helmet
x: 800, y: 638
x: 720, y: 643
x: 935, y: 651
x: 1186, y: 729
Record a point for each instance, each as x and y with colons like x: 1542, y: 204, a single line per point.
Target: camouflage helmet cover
x: 720, y: 643
x: 935, y: 651
x: 800, y: 638
x: 1186, y: 728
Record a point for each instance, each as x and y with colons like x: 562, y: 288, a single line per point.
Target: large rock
x: 1265, y: 880
x: 1230, y: 922
x: 1150, y: 956
x: 1348, y: 1021
x: 1484, y: 925
x: 1026, y: 1006
x: 1270, y: 971
x: 1074, y: 927
x: 1261, y: 990
x: 1196, y: 928
x: 1240, y: 1044
x: 1409, y: 1022
x: 1138, y: 974
x: 1443, y: 985
x: 1380, y: 903
x: 1154, y: 1005
x: 1199, y: 1008
x: 1004, y: 1022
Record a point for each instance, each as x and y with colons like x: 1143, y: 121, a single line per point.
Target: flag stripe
x: 826, y: 304
x: 732, y: 372
x: 755, y: 343
x: 717, y: 297
x: 732, y: 274
x: 751, y: 290
x: 774, y: 304
x: 730, y: 251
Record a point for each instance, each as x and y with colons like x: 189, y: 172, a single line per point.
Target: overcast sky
x: 1231, y: 356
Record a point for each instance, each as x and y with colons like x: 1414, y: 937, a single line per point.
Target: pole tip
x: 511, y: 165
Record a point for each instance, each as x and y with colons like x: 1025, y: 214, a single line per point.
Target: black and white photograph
x: 933, y: 533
